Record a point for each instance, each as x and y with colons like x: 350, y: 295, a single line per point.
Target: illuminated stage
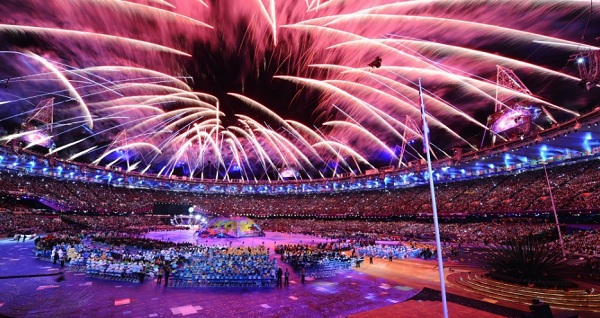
x: 270, y: 238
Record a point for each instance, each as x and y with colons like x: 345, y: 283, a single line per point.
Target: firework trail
x: 198, y: 87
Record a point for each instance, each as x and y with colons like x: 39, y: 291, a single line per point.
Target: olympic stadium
x: 298, y: 158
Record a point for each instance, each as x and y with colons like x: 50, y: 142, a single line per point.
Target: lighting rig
x: 588, y: 65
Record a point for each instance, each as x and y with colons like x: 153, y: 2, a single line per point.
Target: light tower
x: 43, y: 114
x: 588, y: 65
x: 507, y: 81
x: 36, y: 128
x: 513, y: 115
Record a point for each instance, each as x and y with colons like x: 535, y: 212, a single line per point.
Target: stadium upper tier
x: 574, y: 187
x: 505, y: 178
x: 572, y: 141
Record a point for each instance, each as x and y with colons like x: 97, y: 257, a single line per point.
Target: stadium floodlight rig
x: 588, y: 65
x: 42, y: 114
x: 506, y: 78
x: 512, y: 116
x: 36, y: 128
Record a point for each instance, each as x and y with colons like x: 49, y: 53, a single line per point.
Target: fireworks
x: 244, y: 89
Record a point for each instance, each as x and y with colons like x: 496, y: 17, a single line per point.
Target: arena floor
x: 378, y: 290
x: 79, y: 296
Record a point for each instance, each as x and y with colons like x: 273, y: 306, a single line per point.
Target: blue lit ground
x: 346, y: 294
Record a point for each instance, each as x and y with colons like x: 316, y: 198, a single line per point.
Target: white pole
x: 434, y: 205
x: 560, y: 238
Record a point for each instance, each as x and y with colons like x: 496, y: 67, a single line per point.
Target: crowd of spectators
x: 121, y: 256
x: 30, y: 224
x: 475, y: 233
x: 397, y: 251
x: 320, y: 260
x: 574, y: 187
x: 126, y: 230
x: 12, y: 224
x: 581, y: 243
x: 75, y: 195
x: 226, y: 266
x: 129, y: 223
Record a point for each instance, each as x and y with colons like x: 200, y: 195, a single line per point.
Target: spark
x: 97, y: 36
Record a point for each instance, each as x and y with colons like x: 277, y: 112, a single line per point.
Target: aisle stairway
x: 574, y: 299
